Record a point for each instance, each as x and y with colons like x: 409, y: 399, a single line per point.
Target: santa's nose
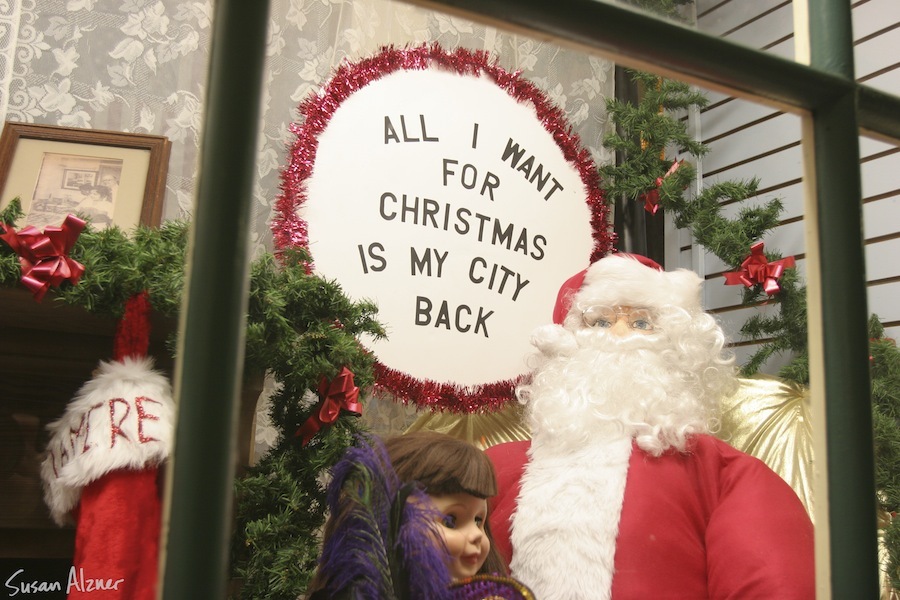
x: 621, y: 327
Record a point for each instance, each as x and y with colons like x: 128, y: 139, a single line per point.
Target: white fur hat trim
x: 623, y: 281
x: 123, y: 418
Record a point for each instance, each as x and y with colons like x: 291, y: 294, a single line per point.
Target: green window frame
x: 835, y: 110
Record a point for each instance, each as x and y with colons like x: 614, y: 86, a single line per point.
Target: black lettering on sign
x: 461, y: 320
x: 409, y: 133
x: 370, y: 257
x: 534, y: 174
x: 539, y: 243
x: 422, y: 264
x: 496, y: 277
x: 468, y: 177
x: 386, y: 212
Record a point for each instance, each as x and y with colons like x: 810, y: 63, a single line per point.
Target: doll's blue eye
x: 449, y: 521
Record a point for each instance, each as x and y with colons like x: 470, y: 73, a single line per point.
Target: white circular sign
x: 445, y: 200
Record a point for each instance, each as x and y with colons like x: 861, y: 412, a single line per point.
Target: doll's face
x: 461, y: 524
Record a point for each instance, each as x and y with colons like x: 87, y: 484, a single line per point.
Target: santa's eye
x: 641, y: 319
x: 599, y: 316
x: 642, y: 324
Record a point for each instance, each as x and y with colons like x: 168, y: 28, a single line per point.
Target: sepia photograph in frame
x: 107, y: 177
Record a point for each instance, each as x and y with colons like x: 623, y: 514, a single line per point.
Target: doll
x: 409, y: 520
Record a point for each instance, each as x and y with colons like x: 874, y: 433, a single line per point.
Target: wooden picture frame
x: 110, y: 177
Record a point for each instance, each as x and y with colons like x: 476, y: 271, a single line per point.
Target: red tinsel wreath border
x: 290, y: 231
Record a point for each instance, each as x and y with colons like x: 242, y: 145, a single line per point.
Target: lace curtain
x: 140, y: 66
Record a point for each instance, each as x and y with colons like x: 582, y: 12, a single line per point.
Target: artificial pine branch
x: 885, y: 369
x: 302, y: 328
x: 282, y: 509
x: 645, y: 132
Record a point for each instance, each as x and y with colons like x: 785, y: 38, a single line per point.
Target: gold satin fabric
x: 482, y: 429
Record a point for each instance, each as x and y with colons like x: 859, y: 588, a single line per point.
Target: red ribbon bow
x: 44, y: 255
x: 337, y: 395
x: 756, y: 268
x: 651, y: 198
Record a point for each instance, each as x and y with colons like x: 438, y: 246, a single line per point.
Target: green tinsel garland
x: 646, y: 131
x: 300, y: 328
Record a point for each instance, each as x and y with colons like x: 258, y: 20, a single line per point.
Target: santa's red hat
x: 628, y: 279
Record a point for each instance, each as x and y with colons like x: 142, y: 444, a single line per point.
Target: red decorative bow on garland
x: 756, y: 268
x: 651, y: 198
x: 337, y: 395
x: 44, y: 255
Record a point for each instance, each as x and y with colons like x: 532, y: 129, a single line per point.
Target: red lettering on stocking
x: 143, y: 414
x: 116, y: 428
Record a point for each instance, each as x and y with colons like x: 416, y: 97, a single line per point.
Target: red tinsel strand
x: 133, y: 330
x: 441, y: 397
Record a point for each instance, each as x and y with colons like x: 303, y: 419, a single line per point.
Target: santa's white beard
x: 608, y: 387
x: 586, y: 405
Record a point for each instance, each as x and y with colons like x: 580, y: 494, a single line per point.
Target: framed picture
x: 111, y: 177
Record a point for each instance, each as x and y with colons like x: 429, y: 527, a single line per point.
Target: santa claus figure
x: 622, y: 491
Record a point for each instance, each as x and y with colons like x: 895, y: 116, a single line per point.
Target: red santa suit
x: 710, y: 523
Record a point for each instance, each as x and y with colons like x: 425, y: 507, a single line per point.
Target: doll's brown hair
x: 443, y: 465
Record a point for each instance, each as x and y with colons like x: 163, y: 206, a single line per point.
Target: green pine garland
x: 300, y: 328
x: 116, y: 266
x: 645, y: 131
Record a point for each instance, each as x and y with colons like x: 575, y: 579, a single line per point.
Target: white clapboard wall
x: 749, y: 140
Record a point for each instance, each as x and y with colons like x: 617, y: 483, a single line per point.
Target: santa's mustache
x: 615, y: 385
x: 602, y: 370
x: 602, y: 340
x: 554, y: 340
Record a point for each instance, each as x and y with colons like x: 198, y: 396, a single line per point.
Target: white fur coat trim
x: 123, y: 418
x: 567, y: 519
